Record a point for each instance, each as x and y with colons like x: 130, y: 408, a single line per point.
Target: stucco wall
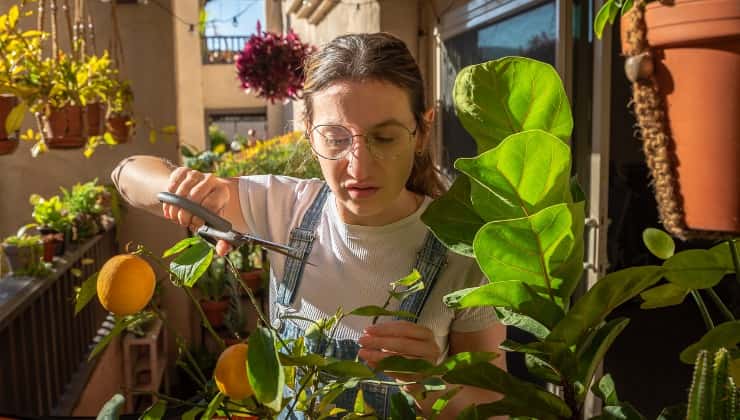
x: 147, y: 37
x: 221, y: 89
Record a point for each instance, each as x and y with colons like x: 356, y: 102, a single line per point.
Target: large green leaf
x: 373, y: 310
x: 348, y: 368
x: 213, y: 406
x: 723, y: 255
x: 498, y: 98
x: 606, y: 390
x: 596, y: 350
x: 512, y: 294
x: 14, y: 120
x: 264, y: 370
x: 181, y: 246
x: 608, y: 293
x: 155, y: 412
x: 192, y: 263
x: 664, y: 295
x: 526, y: 173
x: 725, y: 335
x: 529, y: 249
x: 523, y: 322
x: 453, y: 219
x: 401, y: 409
x: 462, y: 360
x: 520, y: 397
x: 694, y: 269
x: 400, y: 364
x: 88, y: 290
x: 118, y: 327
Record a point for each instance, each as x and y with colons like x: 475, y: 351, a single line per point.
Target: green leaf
x: 400, y: 364
x: 594, y: 353
x: 264, y: 370
x: 606, y: 390
x: 659, y: 243
x: 525, y: 173
x: 112, y: 408
x: 664, y: 295
x: 462, y: 360
x: 452, y: 218
x: 401, y: 409
x: 694, y: 269
x: 442, y: 402
x: 181, y: 246
x: 169, y: 130
x: 602, y: 17
x: 674, y: 412
x: 373, y: 310
x: 309, y: 360
x: 623, y: 411
x: 14, y: 120
x: 501, y: 97
x: 542, y: 369
x: 155, y: 412
x: 192, y: 413
x: 213, y: 406
x: 725, y: 335
x: 88, y: 290
x: 118, y: 327
x: 520, y: 397
x: 191, y: 264
x: 348, y: 368
x: 530, y: 249
x: 360, y: 406
x: 576, y: 191
x: 627, y: 5
x: 523, y: 322
x: 512, y: 294
x: 592, y: 308
x: 722, y: 253
x: 410, y: 280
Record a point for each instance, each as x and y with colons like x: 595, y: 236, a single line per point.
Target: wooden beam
x: 322, y: 11
x: 307, y: 8
x: 294, y: 6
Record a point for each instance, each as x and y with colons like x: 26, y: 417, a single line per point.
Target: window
x: 531, y: 32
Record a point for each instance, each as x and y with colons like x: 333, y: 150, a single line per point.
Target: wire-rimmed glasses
x: 387, y: 141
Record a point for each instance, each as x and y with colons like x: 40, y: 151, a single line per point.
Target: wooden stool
x: 145, y: 362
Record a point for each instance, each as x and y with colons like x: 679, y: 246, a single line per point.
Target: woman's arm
x: 488, y: 339
x: 140, y: 178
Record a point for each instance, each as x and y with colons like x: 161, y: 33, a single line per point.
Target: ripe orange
x: 231, y: 372
x: 125, y: 284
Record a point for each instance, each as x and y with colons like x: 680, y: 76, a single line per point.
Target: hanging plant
x: 271, y: 65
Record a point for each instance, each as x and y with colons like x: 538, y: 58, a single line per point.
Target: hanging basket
x: 121, y: 127
x: 95, y: 118
x: 63, y: 127
x: 684, y: 64
x: 8, y: 144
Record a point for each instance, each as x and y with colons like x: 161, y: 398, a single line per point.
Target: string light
x: 191, y: 26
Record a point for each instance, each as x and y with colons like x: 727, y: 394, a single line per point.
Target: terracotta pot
x: 252, y: 279
x: 95, y: 113
x: 63, y: 128
x: 56, y: 241
x: 215, y: 310
x: 696, y: 45
x: 7, y: 144
x: 120, y: 128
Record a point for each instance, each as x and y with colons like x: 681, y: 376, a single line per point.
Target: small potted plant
x: 213, y: 286
x: 24, y: 254
x: 90, y: 208
x: 119, y: 122
x: 53, y: 221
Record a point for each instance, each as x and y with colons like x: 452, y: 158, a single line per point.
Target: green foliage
x: 50, y: 213
x: 608, y: 14
x: 24, y: 241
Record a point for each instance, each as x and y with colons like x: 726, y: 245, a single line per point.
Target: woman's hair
x: 379, y: 57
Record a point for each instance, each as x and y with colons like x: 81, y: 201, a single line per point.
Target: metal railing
x: 43, y: 345
x: 222, y: 49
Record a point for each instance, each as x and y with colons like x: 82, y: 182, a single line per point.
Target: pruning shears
x: 217, y: 228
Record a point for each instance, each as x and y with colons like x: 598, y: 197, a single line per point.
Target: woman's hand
x: 207, y: 190
x: 398, y: 338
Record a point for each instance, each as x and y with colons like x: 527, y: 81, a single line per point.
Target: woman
x: 366, y: 118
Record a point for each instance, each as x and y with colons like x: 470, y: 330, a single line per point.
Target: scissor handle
x: 210, y: 218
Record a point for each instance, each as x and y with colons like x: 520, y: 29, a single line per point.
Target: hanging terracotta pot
x: 95, y: 113
x: 7, y: 143
x: 121, y: 127
x: 695, y: 50
x: 63, y: 127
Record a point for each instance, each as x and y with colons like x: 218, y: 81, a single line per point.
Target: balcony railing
x: 43, y: 345
x: 222, y: 49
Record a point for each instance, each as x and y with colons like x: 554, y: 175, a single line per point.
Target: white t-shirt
x: 353, y: 265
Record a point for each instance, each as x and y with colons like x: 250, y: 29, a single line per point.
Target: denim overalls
x: 429, y: 262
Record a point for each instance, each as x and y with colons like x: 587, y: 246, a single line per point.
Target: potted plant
x: 23, y: 254
x: 89, y: 206
x: 248, y: 260
x: 53, y: 220
x: 213, y: 288
x: 679, y: 54
x: 119, y: 121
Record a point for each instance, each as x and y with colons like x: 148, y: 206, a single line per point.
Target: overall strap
x: 429, y: 262
x: 301, y: 238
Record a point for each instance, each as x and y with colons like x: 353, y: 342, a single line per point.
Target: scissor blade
x: 286, y: 250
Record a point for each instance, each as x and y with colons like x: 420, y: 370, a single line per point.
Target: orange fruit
x: 125, y: 284
x: 231, y: 372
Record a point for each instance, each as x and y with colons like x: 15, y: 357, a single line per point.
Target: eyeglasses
x: 388, y: 141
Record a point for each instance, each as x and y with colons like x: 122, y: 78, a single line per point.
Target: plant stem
x: 181, y: 342
x: 703, y: 309
x: 720, y: 305
x: 735, y: 258
x: 385, y: 306
x: 300, y: 389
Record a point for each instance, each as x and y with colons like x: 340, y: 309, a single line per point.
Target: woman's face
x: 370, y: 187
